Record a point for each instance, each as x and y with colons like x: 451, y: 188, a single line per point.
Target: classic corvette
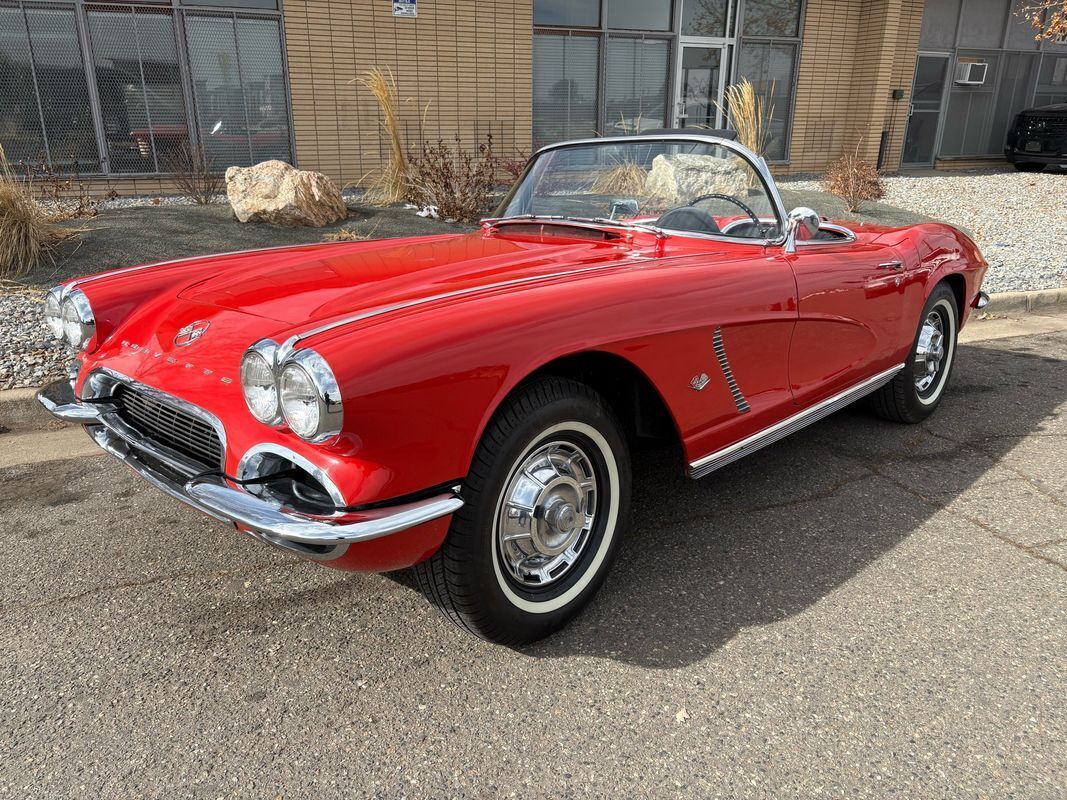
x: 465, y: 404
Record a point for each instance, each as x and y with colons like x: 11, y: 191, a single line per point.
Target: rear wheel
x: 546, y: 496
x: 916, y: 391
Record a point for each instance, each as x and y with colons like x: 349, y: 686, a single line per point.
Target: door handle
x: 894, y: 265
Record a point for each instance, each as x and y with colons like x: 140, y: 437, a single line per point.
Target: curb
x: 20, y: 412
x: 1006, y: 302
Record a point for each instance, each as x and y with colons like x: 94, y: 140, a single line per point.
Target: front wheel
x: 917, y: 389
x: 1028, y: 166
x: 546, y: 497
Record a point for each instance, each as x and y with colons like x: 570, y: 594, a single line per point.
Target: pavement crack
x: 1028, y: 479
x: 1032, y: 550
x: 135, y: 584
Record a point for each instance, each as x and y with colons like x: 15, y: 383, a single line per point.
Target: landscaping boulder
x: 684, y: 176
x: 278, y: 193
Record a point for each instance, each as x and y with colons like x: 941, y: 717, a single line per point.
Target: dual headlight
x: 299, y: 389
x: 69, y: 316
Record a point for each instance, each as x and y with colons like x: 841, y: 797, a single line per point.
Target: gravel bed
x: 30, y: 356
x: 1019, y: 220
x: 148, y: 200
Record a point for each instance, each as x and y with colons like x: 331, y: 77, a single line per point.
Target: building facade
x: 117, y: 91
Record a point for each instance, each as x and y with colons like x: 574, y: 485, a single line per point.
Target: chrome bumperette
x: 314, y: 537
x: 720, y: 458
x: 981, y: 300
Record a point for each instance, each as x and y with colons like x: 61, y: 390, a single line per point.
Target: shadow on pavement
x: 774, y: 534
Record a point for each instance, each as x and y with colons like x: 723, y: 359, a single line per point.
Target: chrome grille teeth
x: 170, y: 426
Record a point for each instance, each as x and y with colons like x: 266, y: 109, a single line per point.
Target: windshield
x: 684, y: 186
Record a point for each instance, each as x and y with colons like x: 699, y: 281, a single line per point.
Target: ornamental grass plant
x: 29, y: 233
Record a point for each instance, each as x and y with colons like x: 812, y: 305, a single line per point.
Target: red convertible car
x: 465, y: 404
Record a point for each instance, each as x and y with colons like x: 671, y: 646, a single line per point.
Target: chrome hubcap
x: 929, y: 352
x: 547, y: 514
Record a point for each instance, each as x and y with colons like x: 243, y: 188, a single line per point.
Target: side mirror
x: 800, y: 219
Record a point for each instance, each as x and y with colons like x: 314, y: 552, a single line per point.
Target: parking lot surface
x: 862, y: 610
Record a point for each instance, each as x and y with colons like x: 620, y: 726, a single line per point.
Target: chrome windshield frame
x: 758, y: 163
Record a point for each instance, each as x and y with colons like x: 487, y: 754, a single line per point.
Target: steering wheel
x: 730, y: 199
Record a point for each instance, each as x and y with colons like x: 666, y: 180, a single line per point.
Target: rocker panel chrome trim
x: 720, y: 458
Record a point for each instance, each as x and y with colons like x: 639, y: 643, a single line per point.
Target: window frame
x: 735, y: 45
x: 178, y: 9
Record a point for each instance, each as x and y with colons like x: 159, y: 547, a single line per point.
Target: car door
x: 850, y: 304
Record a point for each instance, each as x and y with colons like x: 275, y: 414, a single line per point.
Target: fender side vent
x: 724, y: 365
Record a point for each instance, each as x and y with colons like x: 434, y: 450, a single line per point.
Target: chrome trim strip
x: 830, y: 226
x: 724, y: 365
x: 292, y: 341
x: 720, y: 458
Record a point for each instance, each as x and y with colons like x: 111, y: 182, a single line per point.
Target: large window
x: 636, y: 84
x: 768, y: 58
x: 610, y: 67
x: 139, y: 86
x: 770, y: 67
x: 97, y: 88
x: 565, y: 87
x: 45, y: 113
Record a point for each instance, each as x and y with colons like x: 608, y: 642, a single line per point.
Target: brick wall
x: 853, y: 54
x: 462, y: 67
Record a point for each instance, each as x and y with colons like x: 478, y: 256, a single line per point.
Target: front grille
x: 1050, y: 130
x: 170, y: 426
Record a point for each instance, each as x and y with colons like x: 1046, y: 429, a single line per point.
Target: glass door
x: 700, y: 83
x: 920, y: 139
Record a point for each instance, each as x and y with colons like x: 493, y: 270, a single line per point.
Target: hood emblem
x: 191, y: 332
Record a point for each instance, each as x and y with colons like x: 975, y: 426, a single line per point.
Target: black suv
x: 1038, y: 138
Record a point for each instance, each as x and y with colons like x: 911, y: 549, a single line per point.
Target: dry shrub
x: 194, y: 174
x: 64, y: 194
x: 514, y: 164
x: 748, y: 114
x: 452, y: 178
x: 28, y: 231
x: 853, y: 180
x: 391, y: 184
x: 348, y: 233
x: 626, y: 178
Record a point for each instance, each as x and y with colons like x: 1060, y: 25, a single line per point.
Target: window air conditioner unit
x: 971, y: 73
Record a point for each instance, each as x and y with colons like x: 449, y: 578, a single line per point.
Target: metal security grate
x: 45, y: 110
x: 170, y: 426
x: 133, y: 88
x: 142, y: 105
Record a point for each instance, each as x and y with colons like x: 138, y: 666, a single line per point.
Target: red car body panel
x: 430, y: 335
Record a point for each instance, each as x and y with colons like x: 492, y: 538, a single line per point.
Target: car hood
x: 320, y: 284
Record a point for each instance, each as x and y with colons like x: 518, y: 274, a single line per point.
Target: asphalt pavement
x: 862, y: 610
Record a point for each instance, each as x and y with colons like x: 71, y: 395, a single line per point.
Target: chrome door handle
x: 891, y: 265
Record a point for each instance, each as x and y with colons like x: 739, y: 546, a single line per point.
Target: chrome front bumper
x: 212, y: 494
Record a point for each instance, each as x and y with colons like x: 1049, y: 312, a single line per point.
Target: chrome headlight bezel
x: 327, y: 396
x: 79, y: 324
x: 268, y: 352
x: 327, y: 392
